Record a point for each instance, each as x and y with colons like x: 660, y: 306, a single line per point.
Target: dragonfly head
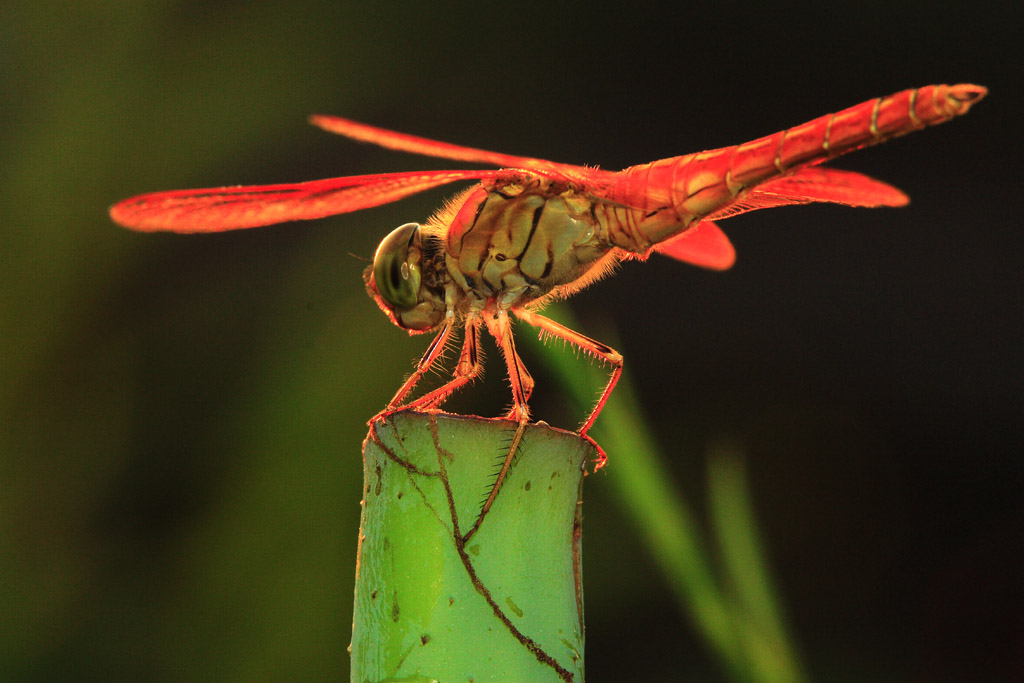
x: 399, y: 285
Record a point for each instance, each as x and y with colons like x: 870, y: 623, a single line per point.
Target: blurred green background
x: 181, y: 417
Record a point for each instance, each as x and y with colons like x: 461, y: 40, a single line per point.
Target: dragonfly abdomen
x: 698, y: 185
x: 862, y: 125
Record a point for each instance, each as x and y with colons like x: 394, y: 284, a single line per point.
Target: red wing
x: 703, y: 245
x: 817, y: 184
x: 404, y: 142
x: 230, y: 208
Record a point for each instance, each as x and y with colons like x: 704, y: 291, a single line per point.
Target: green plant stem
x: 506, y: 604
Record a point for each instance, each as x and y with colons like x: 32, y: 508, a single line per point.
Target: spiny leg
x: 517, y: 438
x: 518, y: 376
x: 430, y: 356
x: 588, y: 345
x: 466, y: 369
x: 522, y: 386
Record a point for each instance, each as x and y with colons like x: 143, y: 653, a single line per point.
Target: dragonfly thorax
x: 515, y: 244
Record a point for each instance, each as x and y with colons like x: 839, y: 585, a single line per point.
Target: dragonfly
x: 535, y: 231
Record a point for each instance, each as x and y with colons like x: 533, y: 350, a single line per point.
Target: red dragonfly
x: 535, y: 230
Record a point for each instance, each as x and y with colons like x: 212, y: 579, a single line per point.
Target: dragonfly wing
x: 817, y: 184
x: 231, y: 208
x: 703, y: 245
x: 404, y: 142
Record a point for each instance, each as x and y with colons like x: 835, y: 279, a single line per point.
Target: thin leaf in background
x: 717, y: 602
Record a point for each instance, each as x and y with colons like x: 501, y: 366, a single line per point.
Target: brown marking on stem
x: 408, y: 466
x: 401, y: 660
x: 577, y: 557
x: 435, y: 437
x: 394, y: 457
x: 460, y: 547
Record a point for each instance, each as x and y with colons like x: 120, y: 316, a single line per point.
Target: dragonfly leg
x: 588, y: 345
x: 430, y: 356
x: 517, y: 438
x: 522, y: 386
x: 518, y: 376
x: 466, y: 369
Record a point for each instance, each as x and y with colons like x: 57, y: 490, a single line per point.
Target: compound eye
x: 398, y: 280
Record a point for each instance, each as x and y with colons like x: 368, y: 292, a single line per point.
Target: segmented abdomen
x: 697, y: 185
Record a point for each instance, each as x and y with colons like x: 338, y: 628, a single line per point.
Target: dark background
x: 181, y: 417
